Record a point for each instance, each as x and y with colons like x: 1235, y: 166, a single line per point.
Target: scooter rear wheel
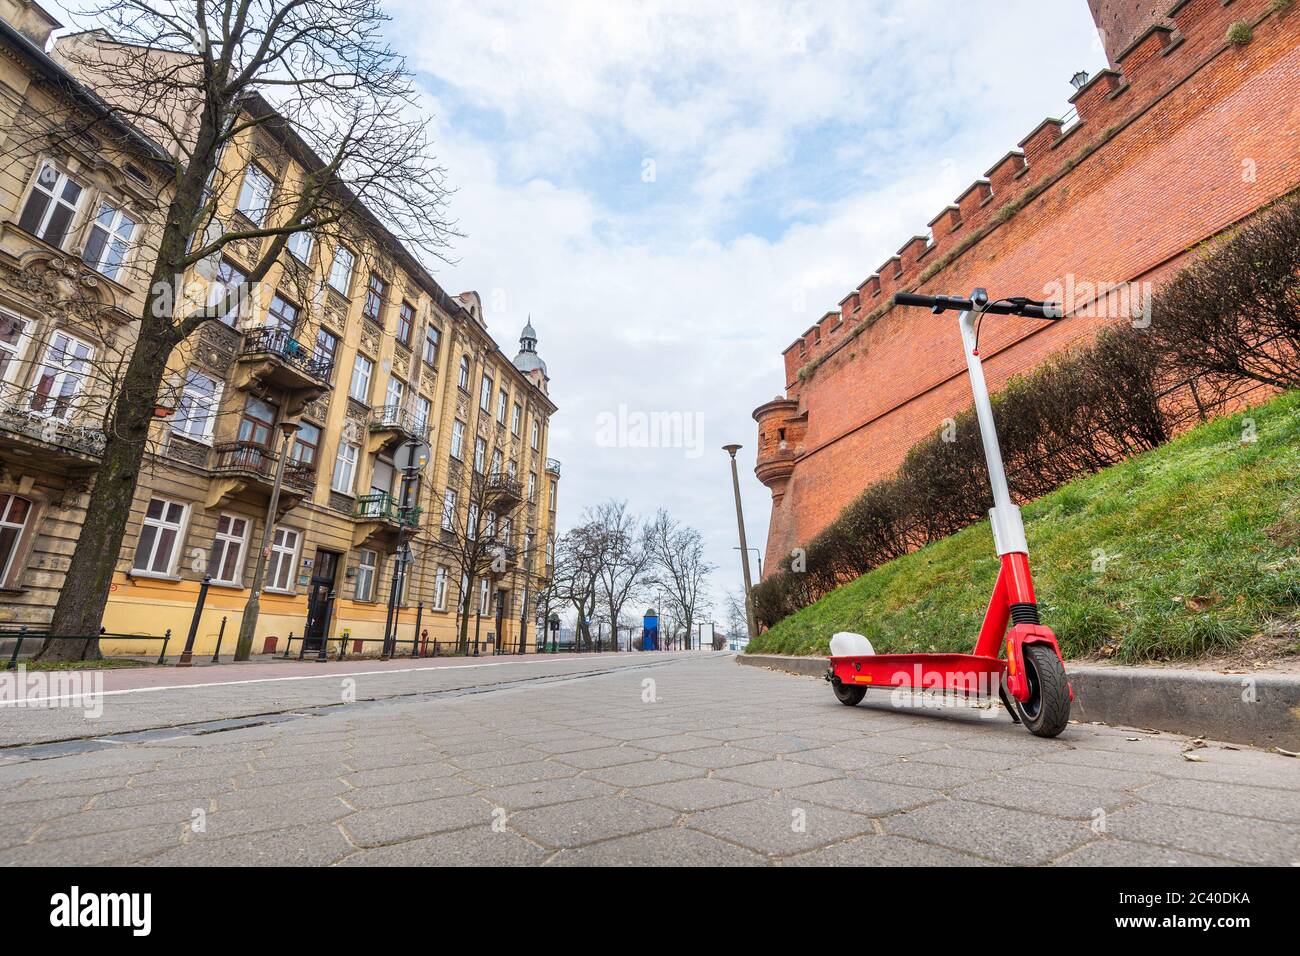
x: 1047, y: 711
x: 848, y: 696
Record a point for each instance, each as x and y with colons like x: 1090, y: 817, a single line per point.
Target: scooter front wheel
x: 1047, y: 710
x: 848, y: 696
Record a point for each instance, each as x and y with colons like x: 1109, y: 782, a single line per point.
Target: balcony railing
x: 47, y: 418
x: 299, y: 476
x: 398, y: 418
x: 381, y: 506
x: 244, y: 457
x: 553, y: 466
x: 278, y: 342
x: 501, y: 486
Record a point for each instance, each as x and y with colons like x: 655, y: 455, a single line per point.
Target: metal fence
x: 38, y: 635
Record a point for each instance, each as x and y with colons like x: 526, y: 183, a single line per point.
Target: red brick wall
x: 1120, y: 21
x: 1198, y: 117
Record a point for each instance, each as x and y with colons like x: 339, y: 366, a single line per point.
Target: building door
x: 320, y: 599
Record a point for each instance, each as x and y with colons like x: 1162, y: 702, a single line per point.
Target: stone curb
x: 1262, y: 709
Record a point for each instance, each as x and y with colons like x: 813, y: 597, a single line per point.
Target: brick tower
x: 1120, y: 22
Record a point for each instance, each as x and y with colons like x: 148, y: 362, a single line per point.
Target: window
x: 483, y: 595
x: 457, y: 439
x: 516, y: 414
x: 299, y: 245
x: 395, y: 394
x: 256, y: 422
x: 485, y: 394
x: 226, y: 560
x: 440, y: 589
x: 61, y: 375
x: 160, y: 536
x: 255, y: 194
x: 552, y: 504
x: 528, y: 550
x: 503, y: 401
x: 282, y: 314
x: 449, y: 510
x: 507, y: 531
x: 306, y: 444
x: 382, y: 478
x: 14, y: 512
x: 532, y: 487
x: 480, y: 454
x: 405, y: 323
x: 464, y: 592
x: 341, y: 269
x: 471, y: 523
x: 196, y: 411
x: 366, y: 561
x: 374, y: 303
x: 51, y: 205
x: 12, y: 340
x: 431, y: 339
x: 536, y: 435
x: 345, y: 468
x: 510, y: 469
x: 423, y: 412
x: 109, y: 242
x: 496, y: 461
x: 463, y: 381
x: 360, y: 385
x: 284, y: 558
x: 490, y: 524
x: 550, y: 550
x: 327, y: 346
x: 228, y: 278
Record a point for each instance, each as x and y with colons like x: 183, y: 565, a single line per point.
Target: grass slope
x: 1181, y: 552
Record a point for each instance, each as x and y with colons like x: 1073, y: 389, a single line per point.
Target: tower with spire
x: 528, y: 361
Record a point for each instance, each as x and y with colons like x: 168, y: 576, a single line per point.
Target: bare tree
x: 680, y: 569
x: 201, y: 77
x: 737, y: 624
x: 576, y: 576
x: 477, y: 541
x: 623, y: 557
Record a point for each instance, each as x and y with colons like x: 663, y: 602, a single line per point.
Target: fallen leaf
x: 1188, y: 755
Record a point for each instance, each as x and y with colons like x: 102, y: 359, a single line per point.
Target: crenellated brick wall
x: 1186, y: 136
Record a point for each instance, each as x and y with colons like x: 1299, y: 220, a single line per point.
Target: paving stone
x: 885, y: 850
x: 1050, y: 799
x: 779, y: 826
x: 317, y: 845
x: 669, y: 847
x: 998, y: 833
x: 414, y: 792
x: 699, y: 794
x: 717, y: 757
x: 497, y: 758
x: 473, y: 846
x: 1204, y: 832
x: 520, y: 773
x: 645, y: 773
x: 675, y: 744
x: 524, y: 796
x: 587, y: 821
x: 1264, y: 804
x: 911, y: 773
x: 1121, y: 853
x: 408, y: 773
x: 779, y: 774
x: 119, y: 847
x: 780, y: 744
x: 1080, y: 776
x: 865, y: 796
x: 605, y: 757
x: 841, y: 758
x: 972, y: 759
x: 410, y: 820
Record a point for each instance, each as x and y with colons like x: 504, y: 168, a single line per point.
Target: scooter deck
x: 961, y: 673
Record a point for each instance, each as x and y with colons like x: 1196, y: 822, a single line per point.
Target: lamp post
x: 247, y: 626
x: 744, y: 547
x: 758, y: 556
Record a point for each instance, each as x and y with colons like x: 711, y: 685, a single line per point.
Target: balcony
x: 272, y: 358
x: 49, y: 430
x: 502, y: 490
x: 238, y: 466
x: 380, y: 511
x: 553, y: 467
x: 394, y: 425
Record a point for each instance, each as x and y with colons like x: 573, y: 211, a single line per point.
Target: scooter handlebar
x: 1049, y: 311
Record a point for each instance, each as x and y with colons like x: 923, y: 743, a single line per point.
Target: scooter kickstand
x: 1006, y: 702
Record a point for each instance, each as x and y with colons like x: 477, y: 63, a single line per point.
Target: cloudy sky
x: 675, y: 190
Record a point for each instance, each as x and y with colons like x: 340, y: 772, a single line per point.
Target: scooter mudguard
x: 1017, y: 638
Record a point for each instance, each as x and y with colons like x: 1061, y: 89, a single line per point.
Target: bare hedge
x: 1232, y: 316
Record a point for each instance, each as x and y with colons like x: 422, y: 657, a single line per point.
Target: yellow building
x: 350, y: 339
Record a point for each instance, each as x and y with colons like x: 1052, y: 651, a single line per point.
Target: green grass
x: 1199, y: 540
x: 104, y: 664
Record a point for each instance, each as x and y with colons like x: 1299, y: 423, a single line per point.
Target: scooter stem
x: 1008, y: 528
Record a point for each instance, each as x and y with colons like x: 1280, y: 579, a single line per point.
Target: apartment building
x: 345, y: 356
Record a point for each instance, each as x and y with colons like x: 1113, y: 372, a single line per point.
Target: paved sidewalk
x: 691, y: 760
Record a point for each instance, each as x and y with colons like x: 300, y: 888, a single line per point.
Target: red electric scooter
x: 1031, y: 678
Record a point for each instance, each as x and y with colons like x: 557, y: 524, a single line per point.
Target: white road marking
x: 29, y: 701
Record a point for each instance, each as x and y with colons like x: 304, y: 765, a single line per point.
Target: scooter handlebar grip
x: 911, y: 298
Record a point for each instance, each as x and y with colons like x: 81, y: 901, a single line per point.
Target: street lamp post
x: 248, y: 626
x: 758, y: 556
x: 744, y: 547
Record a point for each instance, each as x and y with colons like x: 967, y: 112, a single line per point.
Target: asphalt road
x: 619, y: 759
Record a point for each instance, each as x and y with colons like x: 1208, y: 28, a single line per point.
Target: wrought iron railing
x: 400, y: 418
x: 48, y: 418
x: 553, y: 466
x: 278, y: 342
x: 299, y: 476
x: 381, y: 506
x: 245, y: 457
x: 503, y: 486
